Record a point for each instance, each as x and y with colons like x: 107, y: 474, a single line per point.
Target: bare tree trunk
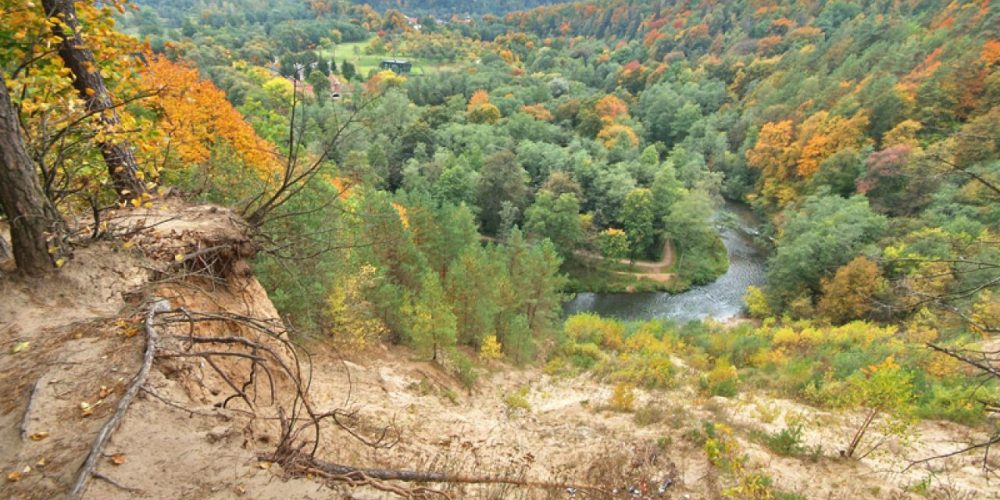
x: 856, y: 440
x: 87, y: 80
x: 32, y: 217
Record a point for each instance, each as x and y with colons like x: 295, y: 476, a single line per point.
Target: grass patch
x: 354, y: 52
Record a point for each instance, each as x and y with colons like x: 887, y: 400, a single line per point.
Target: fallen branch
x: 304, y: 464
x: 972, y: 447
x: 87, y: 469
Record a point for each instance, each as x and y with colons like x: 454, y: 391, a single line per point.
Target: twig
x: 180, y: 407
x: 114, y: 483
x: 27, y: 411
x: 961, y: 451
x: 87, y: 469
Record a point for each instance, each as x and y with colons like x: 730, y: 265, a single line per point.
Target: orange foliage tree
x: 613, y: 113
x: 822, y: 135
x: 538, y: 111
x: 775, y: 154
x: 194, y: 118
x: 611, y: 108
x: 991, y: 52
x: 481, y: 110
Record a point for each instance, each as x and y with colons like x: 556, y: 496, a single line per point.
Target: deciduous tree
x: 851, y: 293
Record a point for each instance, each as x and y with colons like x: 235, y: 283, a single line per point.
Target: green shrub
x: 518, y: 400
x: 786, y: 442
x: 583, y: 356
x: 555, y: 367
x: 464, y: 369
x: 957, y: 403
x: 722, y: 380
x: 623, y: 397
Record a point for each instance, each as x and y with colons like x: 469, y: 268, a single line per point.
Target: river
x: 721, y: 299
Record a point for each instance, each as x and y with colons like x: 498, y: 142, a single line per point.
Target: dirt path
x: 652, y: 270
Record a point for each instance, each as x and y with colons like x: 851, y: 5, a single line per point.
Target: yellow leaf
x: 128, y: 244
x: 264, y: 465
x: 38, y: 436
x: 135, y: 202
x: 118, y: 458
x: 60, y: 262
x: 179, y: 257
x: 86, y: 410
x: 20, y: 346
x: 40, y: 462
x: 90, y: 91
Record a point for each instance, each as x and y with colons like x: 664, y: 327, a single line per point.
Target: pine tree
x: 432, y: 324
x: 472, y: 291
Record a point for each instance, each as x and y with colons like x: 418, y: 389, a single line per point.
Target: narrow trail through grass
x: 652, y: 270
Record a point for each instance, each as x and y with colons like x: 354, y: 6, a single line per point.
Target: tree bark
x: 87, y: 79
x: 32, y: 217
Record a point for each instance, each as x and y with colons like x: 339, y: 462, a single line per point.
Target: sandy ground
x: 84, y: 346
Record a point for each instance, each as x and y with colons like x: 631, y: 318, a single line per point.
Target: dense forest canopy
x: 448, y: 8
x: 860, y: 130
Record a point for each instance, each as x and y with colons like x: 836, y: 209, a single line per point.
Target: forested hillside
x: 445, y: 175
x: 448, y: 8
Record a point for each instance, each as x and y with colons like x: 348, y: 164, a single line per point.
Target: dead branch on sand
x: 305, y: 465
x: 87, y: 469
x: 27, y: 410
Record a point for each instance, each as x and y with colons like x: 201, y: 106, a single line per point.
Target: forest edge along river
x: 722, y: 299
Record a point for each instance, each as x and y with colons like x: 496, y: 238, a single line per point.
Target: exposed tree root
x: 115, y: 483
x: 87, y: 469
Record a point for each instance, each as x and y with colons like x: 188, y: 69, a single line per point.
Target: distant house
x: 398, y: 66
x: 336, y: 87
